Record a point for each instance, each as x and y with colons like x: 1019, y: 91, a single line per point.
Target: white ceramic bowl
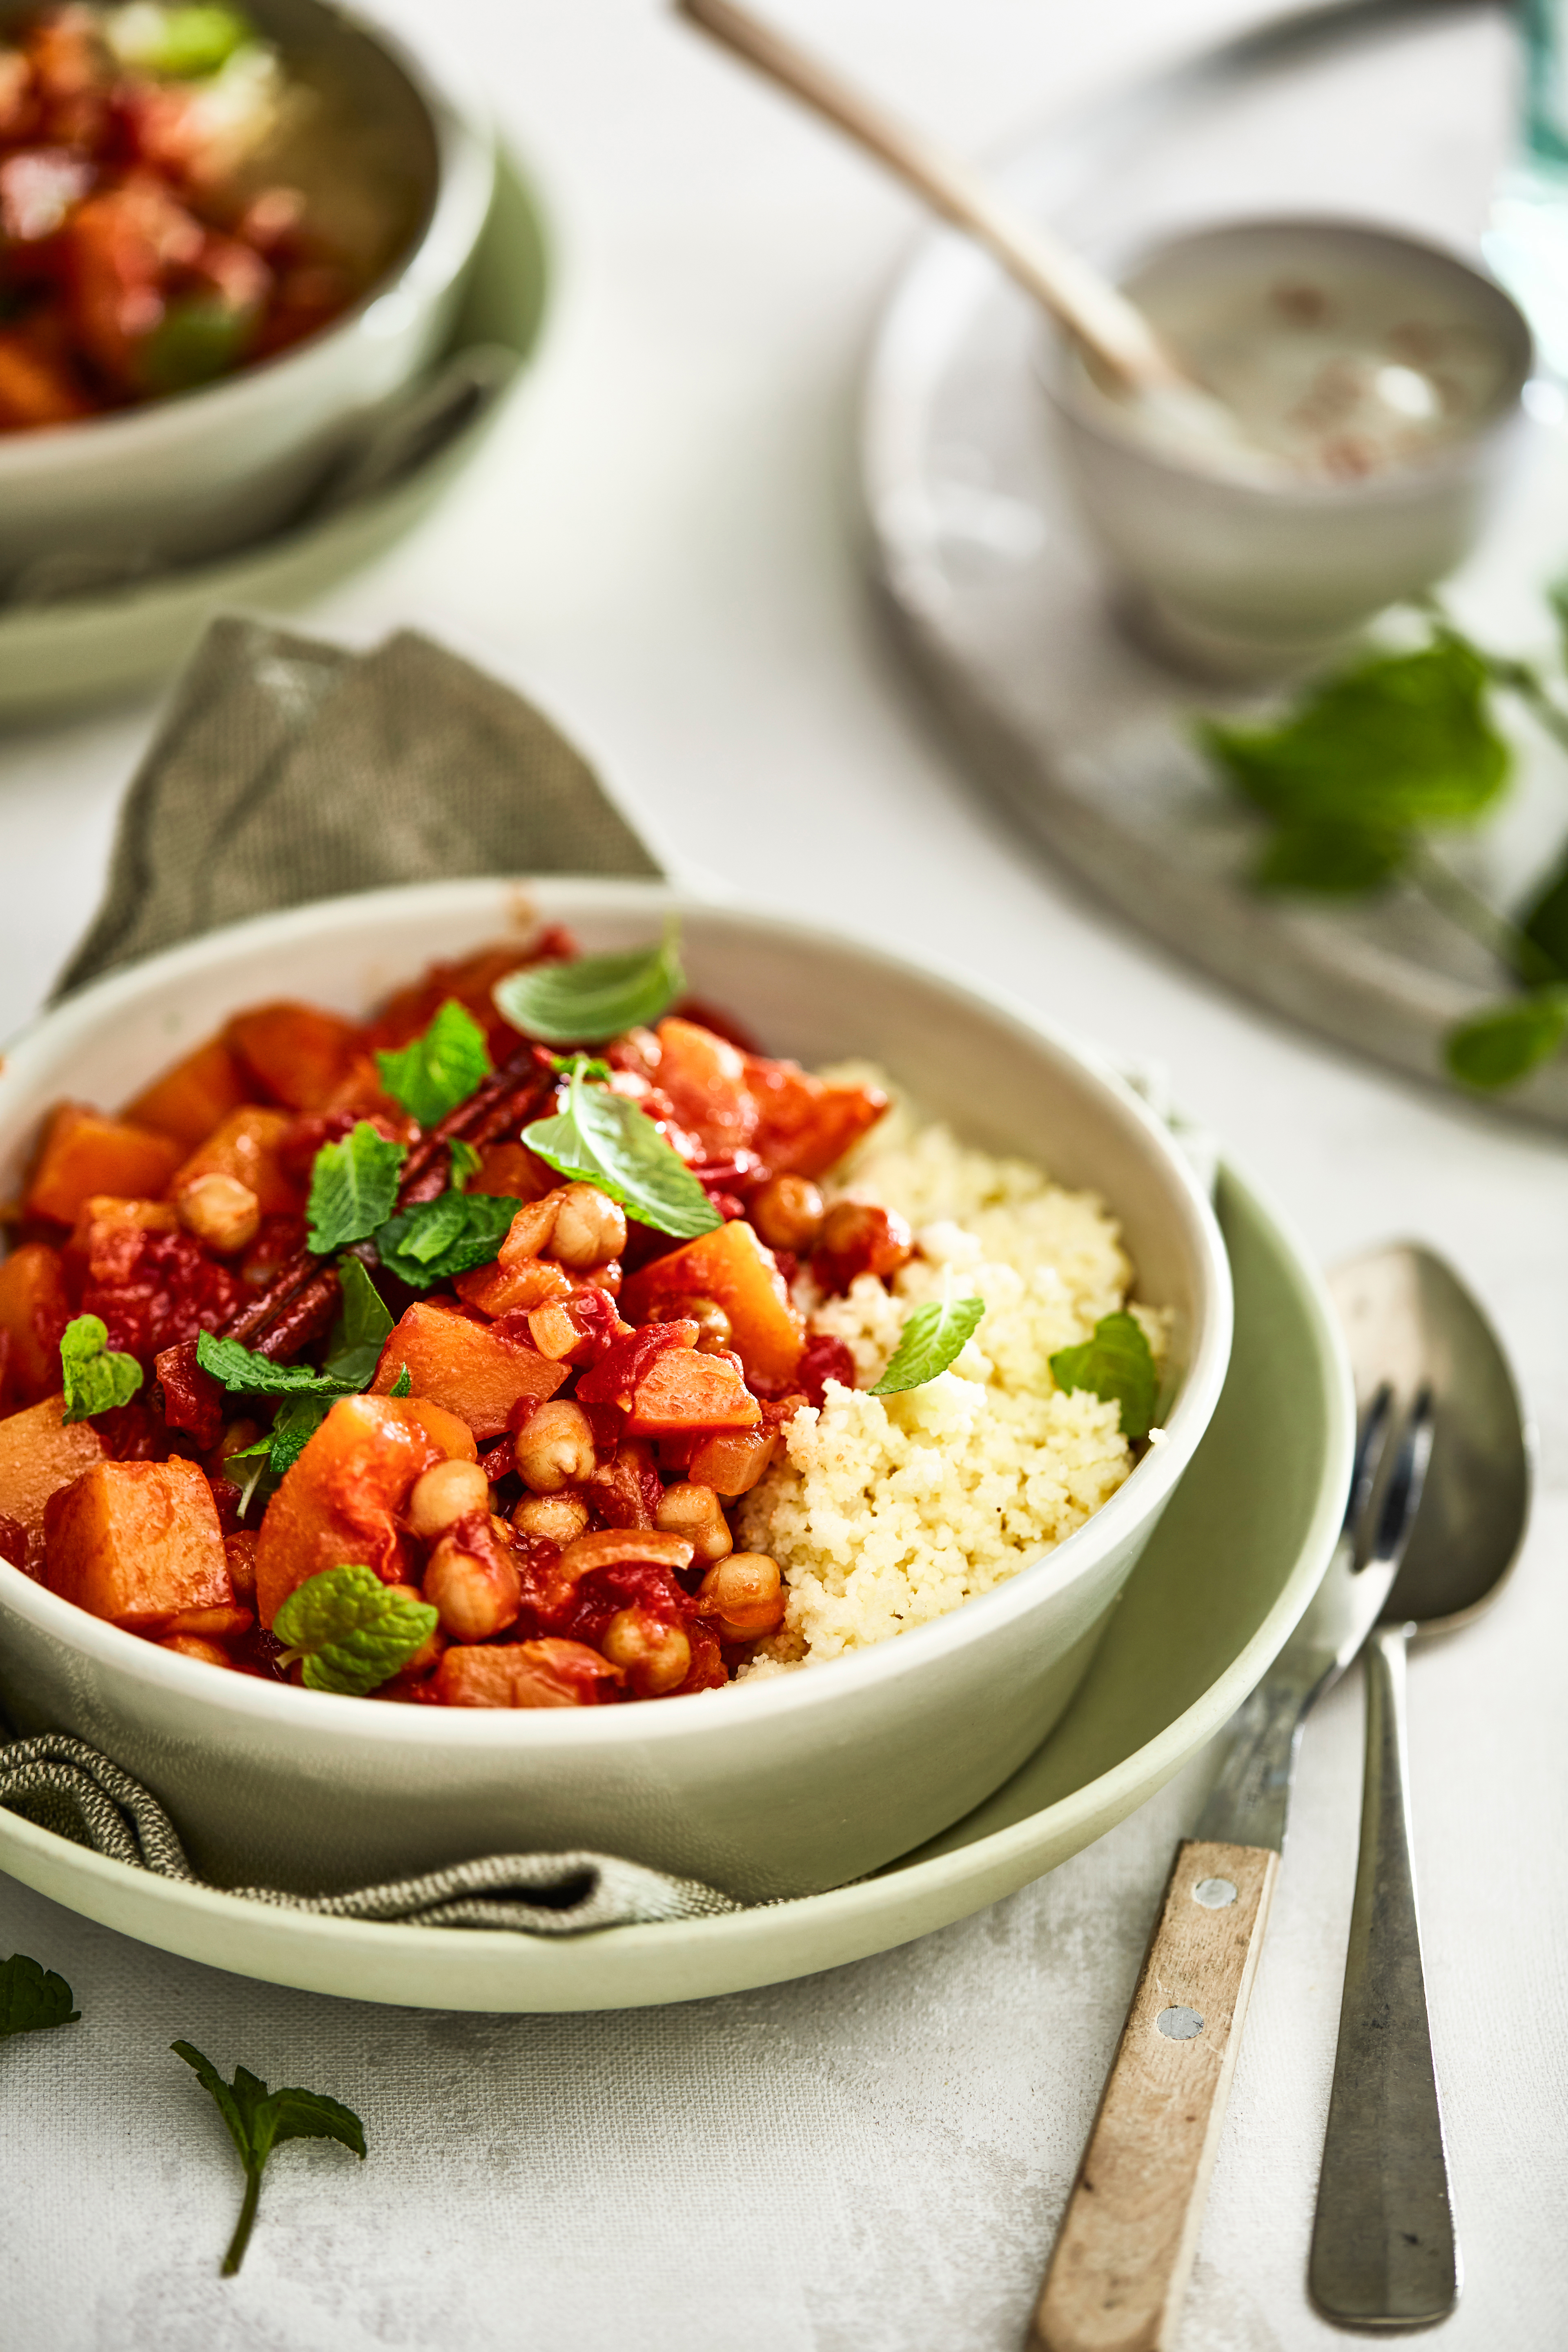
x: 780, y: 1788
x: 1244, y: 578
x: 192, y: 476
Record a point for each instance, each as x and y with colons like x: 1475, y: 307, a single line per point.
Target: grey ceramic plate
x: 1393, y: 111
x: 85, y: 647
x: 1225, y: 1579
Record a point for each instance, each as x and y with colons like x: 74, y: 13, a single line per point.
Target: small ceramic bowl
x: 193, y: 476
x: 1248, y: 576
x: 781, y: 1787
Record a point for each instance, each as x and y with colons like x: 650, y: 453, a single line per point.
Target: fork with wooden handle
x: 1125, y: 2248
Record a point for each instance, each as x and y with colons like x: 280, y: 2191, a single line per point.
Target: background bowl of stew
x: 784, y: 1787
x: 187, y: 477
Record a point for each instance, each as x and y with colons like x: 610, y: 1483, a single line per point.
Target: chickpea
x: 744, y: 1597
x: 590, y: 1229
x: 554, y: 1447
x: 715, y: 1335
x: 858, y: 1238
x: 788, y: 1212
x: 654, y: 1654
x: 446, y: 1494
x: 558, y: 1519
x: 695, y: 1512
x: 474, y: 1595
x: 221, y: 1212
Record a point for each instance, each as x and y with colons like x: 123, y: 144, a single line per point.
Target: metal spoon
x: 1384, y: 2248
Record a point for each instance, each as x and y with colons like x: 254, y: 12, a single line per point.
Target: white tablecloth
x: 661, y: 547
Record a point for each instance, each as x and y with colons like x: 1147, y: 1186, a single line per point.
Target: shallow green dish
x: 1225, y: 1578
x: 89, y: 649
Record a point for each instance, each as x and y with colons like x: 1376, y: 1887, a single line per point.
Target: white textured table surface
x: 662, y: 548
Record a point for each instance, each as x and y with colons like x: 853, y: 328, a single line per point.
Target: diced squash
x: 513, y: 1173
x: 188, y: 1101
x: 551, y: 1673
x: 247, y: 1145
x: 34, y: 1312
x: 137, y: 1543
x: 341, y: 1505
x: 806, y: 1124
x: 499, y: 1290
x: 705, y: 1078
x: 737, y: 1270
x: 683, y: 1390
x: 297, y: 1053
x: 470, y: 981
x: 104, y: 1245
x: 454, y: 1437
x: 85, y: 1152
x: 39, y: 1453
x: 474, y: 1371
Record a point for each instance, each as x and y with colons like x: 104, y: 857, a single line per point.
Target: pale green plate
x: 87, y: 648
x: 1226, y: 1577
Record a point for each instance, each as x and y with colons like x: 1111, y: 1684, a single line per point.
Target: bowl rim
x: 465, y: 141
x: 51, y: 1037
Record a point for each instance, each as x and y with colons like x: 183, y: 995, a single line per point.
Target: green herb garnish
x: 404, y: 1384
x: 361, y: 1330
x: 353, y: 1352
x: 593, y: 997
x: 259, y: 2120
x: 94, y: 1376
x: 33, y: 1998
x: 182, y: 43
x: 451, y: 1235
x: 354, y: 1188
x: 244, y: 1372
x: 932, y: 1337
x: 1116, y: 1364
x: 352, y: 1631
x: 1499, y: 1047
x: 439, y: 1069
x: 603, y: 1139
x: 464, y: 1162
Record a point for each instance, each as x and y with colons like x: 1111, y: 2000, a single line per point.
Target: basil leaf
x: 1500, y: 1047
x: 354, y: 1188
x: 440, y: 1069
x: 32, y: 1998
x: 258, y: 2120
x: 434, y: 1240
x: 1116, y: 1364
x: 351, y: 1629
x: 593, y: 997
x: 359, y: 1332
x: 933, y: 1337
x: 244, y: 1373
x: 603, y: 1139
x: 94, y: 1376
x: 464, y: 1162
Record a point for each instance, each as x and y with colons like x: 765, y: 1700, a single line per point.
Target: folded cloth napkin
x: 288, y: 769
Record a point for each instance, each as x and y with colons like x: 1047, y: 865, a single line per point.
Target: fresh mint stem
x: 243, y: 2227
x: 1454, y: 897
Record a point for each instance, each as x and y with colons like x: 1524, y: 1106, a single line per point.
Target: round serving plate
x: 1221, y: 1585
x: 1390, y: 112
x: 61, y: 656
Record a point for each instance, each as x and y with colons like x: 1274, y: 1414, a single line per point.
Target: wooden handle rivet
x: 1179, y: 2024
x: 1214, y: 1894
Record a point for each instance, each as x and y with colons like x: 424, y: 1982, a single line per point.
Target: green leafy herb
x: 353, y: 1632
x: 361, y: 1330
x: 435, y: 1240
x: 197, y: 340
x: 1500, y: 1047
x: 593, y: 997
x: 1331, y: 861
x: 32, y: 1998
x: 403, y: 1385
x: 440, y: 1069
x: 294, y: 1424
x: 932, y: 1337
x: 1545, y: 931
x: 1117, y: 1365
x: 182, y: 43
x: 259, y: 2120
x: 243, y: 1372
x: 466, y: 1162
x: 607, y: 1141
x: 353, y: 1352
x: 567, y: 1063
x: 354, y: 1188
x: 94, y: 1377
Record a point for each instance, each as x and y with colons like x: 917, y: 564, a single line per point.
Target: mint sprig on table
x: 593, y: 997
x: 605, y: 1139
x: 440, y: 1068
x: 259, y: 2120
x: 93, y: 1376
x: 353, y: 1189
x: 1118, y: 1365
x: 33, y: 1998
x: 353, y: 1632
x: 933, y: 1337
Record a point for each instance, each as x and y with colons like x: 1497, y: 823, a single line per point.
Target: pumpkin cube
x: 39, y: 1453
x: 188, y: 1101
x: 733, y: 1267
x: 297, y: 1054
x: 551, y: 1673
x: 137, y: 1543
x: 705, y: 1077
x: 806, y: 1124
x: 475, y: 1371
x: 85, y: 1152
x: 247, y: 1145
x: 342, y: 1504
x: 684, y: 1389
x: 34, y: 1312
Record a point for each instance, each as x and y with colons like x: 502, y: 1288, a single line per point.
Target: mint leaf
x: 435, y: 1240
x: 32, y: 1998
x: 933, y: 1337
x: 404, y: 1384
x: 1545, y: 927
x: 351, y: 1629
x: 607, y: 1141
x: 258, y: 2120
x: 354, y: 1188
x: 440, y: 1069
x: 566, y: 1063
x: 593, y: 997
x: 464, y: 1162
x: 243, y: 1372
x: 1331, y: 860
x: 1500, y: 1047
x: 1115, y: 1364
x: 94, y: 1377
x: 359, y: 1332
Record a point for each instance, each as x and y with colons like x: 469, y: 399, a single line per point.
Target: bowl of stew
x: 231, y: 238
x: 490, y: 1370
